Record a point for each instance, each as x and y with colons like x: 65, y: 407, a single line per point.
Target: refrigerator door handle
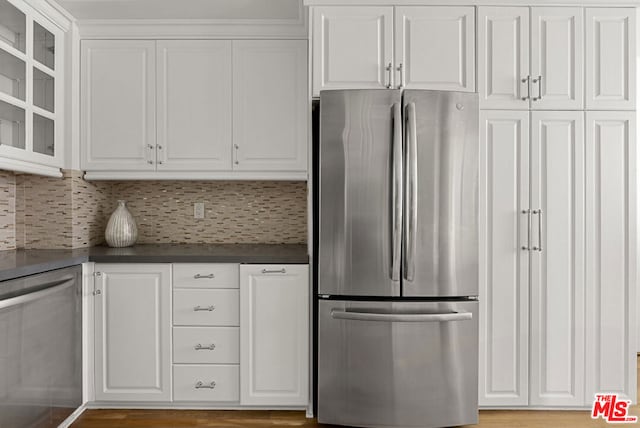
x: 367, y: 316
x: 411, y: 193
x: 396, y: 193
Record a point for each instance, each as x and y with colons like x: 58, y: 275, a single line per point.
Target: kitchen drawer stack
x: 206, y: 332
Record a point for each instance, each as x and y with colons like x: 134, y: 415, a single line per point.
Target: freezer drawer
x: 400, y: 364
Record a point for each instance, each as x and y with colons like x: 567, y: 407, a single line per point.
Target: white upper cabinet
x: 553, y: 79
x: 361, y: 47
x: 220, y: 109
x: 32, y: 101
x: 557, y: 277
x: 352, y: 47
x: 611, y: 58
x: 504, y: 259
x: 118, y: 105
x: 503, y: 58
x: 194, y: 104
x: 557, y: 58
x: 435, y: 48
x: 270, y: 108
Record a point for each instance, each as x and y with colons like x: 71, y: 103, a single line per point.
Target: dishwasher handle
x: 51, y: 288
x: 416, y: 317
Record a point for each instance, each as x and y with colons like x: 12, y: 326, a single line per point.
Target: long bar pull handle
x: 367, y: 316
x: 539, y: 246
x: 401, y: 70
x: 528, y: 246
x: 539, y: 82
x: 30, y: 297
x: 411, y: 193
x: 389, y: 69
x: 527, y: 80
x: 396, y: 194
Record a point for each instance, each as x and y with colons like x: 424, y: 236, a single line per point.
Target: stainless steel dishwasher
x: 40, y: 348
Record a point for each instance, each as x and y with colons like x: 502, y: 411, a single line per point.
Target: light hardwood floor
x: 262, y: 419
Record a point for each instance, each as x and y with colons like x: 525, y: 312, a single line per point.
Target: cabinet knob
x: 150, y: 162
x: 97, y: 292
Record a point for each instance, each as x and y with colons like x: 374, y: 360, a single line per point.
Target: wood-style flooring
x: 268, y: 419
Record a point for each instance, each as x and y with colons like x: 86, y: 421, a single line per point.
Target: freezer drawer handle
x: 202, y: 385
x: 199, y: 347
x: 364, y: 316
x: 206, y: 308
x: 198, y: 276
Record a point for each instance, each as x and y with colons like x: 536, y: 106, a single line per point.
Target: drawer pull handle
x: 199, y: 347
x: 198, y: 276
x: 206, y: 308
x: 202, y: 385
x: 274, y: 271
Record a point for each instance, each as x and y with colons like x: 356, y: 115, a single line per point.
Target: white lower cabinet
x: 233, y: 335
x: 132, y: 332
x: 274, y: 343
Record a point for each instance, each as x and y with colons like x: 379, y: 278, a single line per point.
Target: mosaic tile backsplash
x: 41, y: 212
x: 235, y: 211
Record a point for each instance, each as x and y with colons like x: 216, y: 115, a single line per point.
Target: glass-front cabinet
x: 31, y: 76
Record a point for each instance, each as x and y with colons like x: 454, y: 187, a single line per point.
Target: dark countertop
x: 17, y: 263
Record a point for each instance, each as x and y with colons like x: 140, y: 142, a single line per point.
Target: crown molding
x: 533, y: 3
x: 196, y: 28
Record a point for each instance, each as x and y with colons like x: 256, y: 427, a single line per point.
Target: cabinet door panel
x: 611, y: 252
x: 557, y: 270
x: 270, y: 111
x: 611, y: 58
x: 503, y: 57
x: 274, y: 345
x: 504, y: 265
x: 118, y: 108
x: 194, y: 105
x: 132, y: 332
x: 352, y: 46
x: 557, y: 56
x: 436, y: 47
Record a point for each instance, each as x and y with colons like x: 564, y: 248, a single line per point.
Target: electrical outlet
x: 198, y: 210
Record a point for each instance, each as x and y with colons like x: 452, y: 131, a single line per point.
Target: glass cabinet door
x: 29, y: 84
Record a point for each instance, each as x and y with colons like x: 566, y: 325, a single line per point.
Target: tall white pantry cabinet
x: 557, y: 185
x: 557, y: 205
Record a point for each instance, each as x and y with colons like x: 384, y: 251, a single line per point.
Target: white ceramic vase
x: 122, y: 230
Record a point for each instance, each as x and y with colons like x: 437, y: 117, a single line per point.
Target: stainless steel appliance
x: 398, y: 258
x: 40, y: 348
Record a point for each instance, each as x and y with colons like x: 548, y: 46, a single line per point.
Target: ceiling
x: 183, y: 9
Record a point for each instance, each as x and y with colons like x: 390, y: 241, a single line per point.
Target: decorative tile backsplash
x: 7, y: 210
x: 42, y: 212
x: 235, y: 211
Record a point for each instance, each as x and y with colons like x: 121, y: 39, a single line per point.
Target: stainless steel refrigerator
x: 398, y: 258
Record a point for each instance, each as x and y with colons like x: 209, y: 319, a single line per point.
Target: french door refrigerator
x: 398, y: 258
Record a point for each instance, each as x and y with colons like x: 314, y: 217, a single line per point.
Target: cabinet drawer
x: 218, y: 345
x: 206, y: 307
x: 205, y: 275
x: 206, y: 383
